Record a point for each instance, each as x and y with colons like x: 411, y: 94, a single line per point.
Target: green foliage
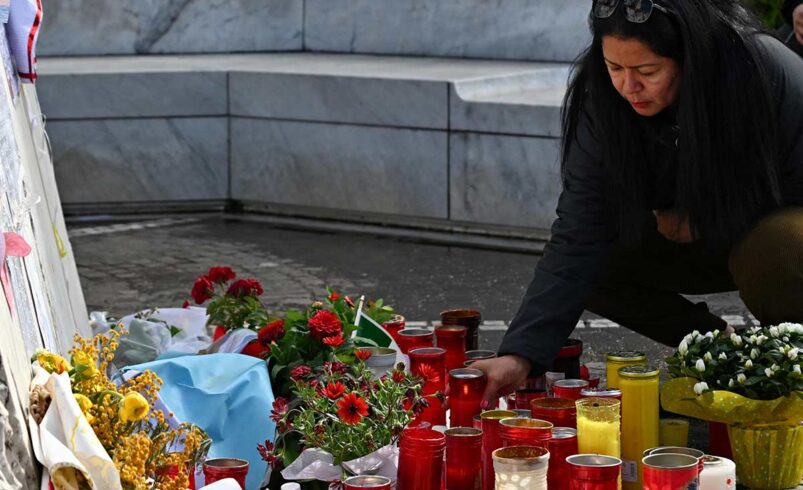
x: 769, y: 11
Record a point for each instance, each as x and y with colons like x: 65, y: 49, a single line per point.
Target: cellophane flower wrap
x: 749, y: 378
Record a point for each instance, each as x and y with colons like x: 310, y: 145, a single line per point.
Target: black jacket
x: 585, y: 229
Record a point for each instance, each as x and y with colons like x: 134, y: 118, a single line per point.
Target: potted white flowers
x: 751, y: 381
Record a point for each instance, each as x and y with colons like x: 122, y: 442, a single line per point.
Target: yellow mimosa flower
x: 134, y: 407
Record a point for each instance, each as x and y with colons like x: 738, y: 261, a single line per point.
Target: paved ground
x: 125, y: 267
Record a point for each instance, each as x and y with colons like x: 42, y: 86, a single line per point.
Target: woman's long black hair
x: 726, y: 169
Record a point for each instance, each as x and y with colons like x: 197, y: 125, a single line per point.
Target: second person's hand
x: 504, y: 375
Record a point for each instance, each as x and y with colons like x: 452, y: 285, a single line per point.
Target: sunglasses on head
x: 637, y: 11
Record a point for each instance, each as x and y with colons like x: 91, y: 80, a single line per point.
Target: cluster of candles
x: 567, y: 435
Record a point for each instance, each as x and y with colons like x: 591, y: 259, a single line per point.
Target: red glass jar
x: 463, y: 458
x: 429, y: 364
x: 367, y: 481
x: 593, y: 472
x: 413, y: 338
x: 453, y: 339
x: 491, y: 440
x: 525, y: 432
x: 670, y: 472
x: 468, y: 318
x: 537, y: 383
x: 569, y: 388
x: 526, y: 395
x: 560, y: 411
x: 568, y: 360
x: 696, y: 453
x: 394, y: 326
x: 477, y: 422
x: 562, y: 444
x: 466, y: 387
x: 421, y: 454
x: 222, y: 468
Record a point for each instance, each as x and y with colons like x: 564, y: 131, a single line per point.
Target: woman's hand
x: 673, y: 226
x: 504, y: 374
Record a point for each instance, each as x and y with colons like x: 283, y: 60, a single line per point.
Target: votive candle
x: 562, y: 444
x: 521, y: 468
x: 413, y: 338
x: 463, y: 458
x: 368, y: 481
x: 420, y: 459
x: 452, y: 338
x: 560, y: 411
x: 569, y: 388
x: 525, y: 432
x: 617, y: 360
x: 639, y: 386
x: 598, y: 426
x: 525, y: 395
x: 393, y: 326
x: 466, y: 387
x: 429, y: 364
x: 593, y: 472
x: 673, y: 432
x: 491, y: 440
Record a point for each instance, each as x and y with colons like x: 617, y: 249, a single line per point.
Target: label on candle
x: 629, y: 471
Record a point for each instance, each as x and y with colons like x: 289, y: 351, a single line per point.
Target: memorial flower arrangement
x: 232, y: 303
x: 342, y: 409
x: 752, y: 382
x: 146, y: 451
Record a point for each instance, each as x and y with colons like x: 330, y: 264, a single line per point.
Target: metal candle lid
x: 608, y: 393
x: 640, y: 371
x: 627, y: 356
x: 367, y: 481
x: 570, y: 383
x: 563, y: 433
x: 415, y: 332
x: 466, y: 373
x: 476, y: 355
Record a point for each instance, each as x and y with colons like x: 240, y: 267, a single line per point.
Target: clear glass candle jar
x: 598, y: 426
x: 521, y: 468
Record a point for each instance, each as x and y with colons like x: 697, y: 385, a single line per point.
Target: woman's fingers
x: 504, y: 374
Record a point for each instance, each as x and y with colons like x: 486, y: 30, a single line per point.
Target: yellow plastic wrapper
x: 678, y: 396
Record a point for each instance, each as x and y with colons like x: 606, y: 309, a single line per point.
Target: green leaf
x: 362, y: 341
x: 174, y: 330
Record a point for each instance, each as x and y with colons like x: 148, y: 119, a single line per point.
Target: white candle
x: 718, y: 474
x: 521, y: 468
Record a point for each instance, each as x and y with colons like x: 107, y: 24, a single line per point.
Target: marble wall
x: 514, y: 29
x: 99, y: 27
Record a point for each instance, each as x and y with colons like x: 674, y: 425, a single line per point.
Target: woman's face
x: 649, y: 82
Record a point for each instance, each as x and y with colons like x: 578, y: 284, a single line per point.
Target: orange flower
x: 351, y: 409
x: 334, y: 342
x: 333, y: 391
x: 362, y: 354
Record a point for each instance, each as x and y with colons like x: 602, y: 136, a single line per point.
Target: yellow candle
x: 618, y: 360
x: 639, y: 385
x: 598, y: 426
x: 674, y: 433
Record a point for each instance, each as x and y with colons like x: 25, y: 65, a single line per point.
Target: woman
x: 682, y: 173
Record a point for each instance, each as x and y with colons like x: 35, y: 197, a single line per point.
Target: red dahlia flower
x: 351, y: 409
x: 245, y: 287
x: 271, y: 332
x: 202, y: 290
x: 324, y: 324
x: 220, y: 274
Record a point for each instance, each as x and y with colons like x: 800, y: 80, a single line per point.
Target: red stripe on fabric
x: 31, y: 36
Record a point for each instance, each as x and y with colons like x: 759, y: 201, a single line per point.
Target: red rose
x: 220, y: 274
x: 271, y: 332
x: 245, y: 287
x: 324, y: 324
x: 334, y: 342
x: 334, y: 297
x: 300, y: 372
x: 202, y: 290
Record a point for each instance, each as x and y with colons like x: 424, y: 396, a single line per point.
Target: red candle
x: 477, y: 422
x: 453, y: 339
x: 463, y: 459
x: 593, y: 472
x: 470, y: 319
x: 680, y: 450
x: 526, y: 395
x: 569, y: 388
x: 525, y: 432
x: 429, y: 364
x: 372, y: 482
x: 394, y: 326
x: 560, y: 411
x: 562, y: 444
x: 412, y: 338
x: 537, y: 383
x: 479, y: 355
x: 466, y: 387
x: 670, y: 471
x: 491, y: 440
x: 420, y: 459
x: 222, y: 468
